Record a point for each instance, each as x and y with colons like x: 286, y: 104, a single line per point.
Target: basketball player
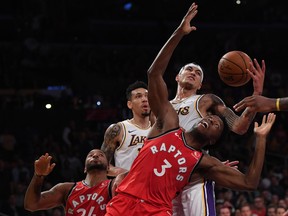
x: 86, y: 197
x: 171, y: 156
x: 123, y: 140
x: 197, y: 198
x: 259, y: 103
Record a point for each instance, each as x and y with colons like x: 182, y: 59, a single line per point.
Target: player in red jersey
x: 86, y: 197
x: 171, y: 156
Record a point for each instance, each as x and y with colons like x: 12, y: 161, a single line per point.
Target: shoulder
x: 212, y: 98
x: 114, y: 129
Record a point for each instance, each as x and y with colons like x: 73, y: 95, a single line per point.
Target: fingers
x: 246, y: 102
x: 51, y: 167
x: 264, y: 120
x: 256, y: 125
x: 233, y: 163
x: 271, y: 118
x: 263, y: 67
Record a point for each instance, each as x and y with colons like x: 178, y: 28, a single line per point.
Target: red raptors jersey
x: 162, y: 169
x: 88, y: 201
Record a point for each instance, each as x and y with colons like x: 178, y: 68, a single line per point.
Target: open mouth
x: 204, y: 124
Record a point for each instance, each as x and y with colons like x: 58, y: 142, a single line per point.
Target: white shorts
x: 196, y: 199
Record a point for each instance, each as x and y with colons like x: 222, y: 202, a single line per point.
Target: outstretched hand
x: 266, y: 125
x: 256, y: 103
x: 42, y: 166
x: 185, y: 25
x: 257, y: 73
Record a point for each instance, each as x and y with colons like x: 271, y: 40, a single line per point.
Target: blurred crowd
x: 63, y: 81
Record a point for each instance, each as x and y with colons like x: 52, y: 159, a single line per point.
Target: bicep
x: 111, y: 140
x: 54, y: 197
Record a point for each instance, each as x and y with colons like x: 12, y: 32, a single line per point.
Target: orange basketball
x: 232, y: 68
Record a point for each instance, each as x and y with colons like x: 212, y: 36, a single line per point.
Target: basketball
x: 232, y: 68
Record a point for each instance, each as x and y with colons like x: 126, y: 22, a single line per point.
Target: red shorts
x: 123, y: 204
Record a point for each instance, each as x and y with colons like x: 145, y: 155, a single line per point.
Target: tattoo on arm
x: 110, y: 141
x: 230, y: 117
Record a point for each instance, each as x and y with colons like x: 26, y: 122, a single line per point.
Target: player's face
x: 190, y: 77
x: 211, y: 127
x: 96, y: 160
x: 139, y: 102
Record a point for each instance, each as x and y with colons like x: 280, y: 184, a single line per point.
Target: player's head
x: 137, y: 98
x: 96, y: 160
x: 208, y: 130
x: 190, y: 76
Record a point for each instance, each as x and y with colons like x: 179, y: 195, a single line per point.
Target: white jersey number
x: 166, y: 165
x: 83, y: 211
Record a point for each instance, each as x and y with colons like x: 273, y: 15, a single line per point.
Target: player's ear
x: 177, y: 77
x: 200, y: 85
x: 129, y: 104
x: 85, y: 170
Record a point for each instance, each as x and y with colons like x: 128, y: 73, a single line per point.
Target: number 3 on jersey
x: 165, y: 166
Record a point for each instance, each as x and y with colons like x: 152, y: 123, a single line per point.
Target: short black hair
x: 137, y: 84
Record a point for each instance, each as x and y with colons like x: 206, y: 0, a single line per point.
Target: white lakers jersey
x: 197, y: 198
x: 132, y: 142
x: 188, y: 111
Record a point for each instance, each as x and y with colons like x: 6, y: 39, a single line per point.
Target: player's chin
x: 146, y: 112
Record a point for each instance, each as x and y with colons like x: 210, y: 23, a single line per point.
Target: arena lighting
x: 238, y: 2
x: 128, y: 6
x: 48, y: 106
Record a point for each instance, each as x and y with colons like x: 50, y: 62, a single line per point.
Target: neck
x: 183, y: 93
x: 195, y: 140
x: 141, y: 122
x: 95, y: 177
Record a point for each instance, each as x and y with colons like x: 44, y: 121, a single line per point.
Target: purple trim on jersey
x: 210, y: 197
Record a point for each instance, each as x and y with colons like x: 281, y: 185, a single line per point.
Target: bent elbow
x: 30, y: 207
x: 252, y: 186
x: 239, y: 131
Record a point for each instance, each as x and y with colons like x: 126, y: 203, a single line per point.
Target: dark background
x: 81, y: 55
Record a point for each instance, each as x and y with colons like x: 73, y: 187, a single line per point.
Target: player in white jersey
x: 123, y: 140
x: 196, y: 199
x: 132, y: 141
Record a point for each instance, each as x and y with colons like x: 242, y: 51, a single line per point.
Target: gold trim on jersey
x: 197, y: 106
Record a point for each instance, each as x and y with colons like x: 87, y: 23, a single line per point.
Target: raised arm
x: 157, y: 90
x: 229, y: 177
x: 35, y: 199
x: 237, y: 124
x: 259, y: 103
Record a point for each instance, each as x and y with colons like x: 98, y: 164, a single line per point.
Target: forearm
x: 161, y: 61
x: 283, y: 104
x: 254, y: 171
x: 33, y: 193
x: 238, y: 124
